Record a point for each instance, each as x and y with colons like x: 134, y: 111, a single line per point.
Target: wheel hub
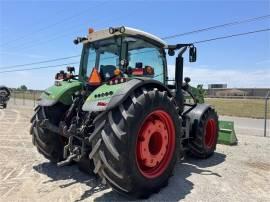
x: 210, y: 133
x: 155, y: 144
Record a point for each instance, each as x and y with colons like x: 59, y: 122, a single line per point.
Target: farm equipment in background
x: 226, y: 134
x: 4, y: 96
x: 119, y: 118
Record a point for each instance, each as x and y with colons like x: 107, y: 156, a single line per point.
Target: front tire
x: 205, y: 136
x: 135, y: 146
x: 48, y: 143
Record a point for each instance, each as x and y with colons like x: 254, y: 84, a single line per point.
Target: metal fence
x: 239, y: 92
x: 266, y: 112
x: 25, y: 97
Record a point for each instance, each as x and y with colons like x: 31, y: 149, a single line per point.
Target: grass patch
x: 252, y: 108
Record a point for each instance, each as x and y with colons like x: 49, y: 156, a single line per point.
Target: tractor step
x: 226, y: 134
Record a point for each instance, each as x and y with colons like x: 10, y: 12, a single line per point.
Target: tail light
x: 90, y: 30
x: 137, y: 72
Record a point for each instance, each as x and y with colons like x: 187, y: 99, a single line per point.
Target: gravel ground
x: 233, y: 173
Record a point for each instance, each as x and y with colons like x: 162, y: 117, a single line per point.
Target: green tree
x: 23, y: 87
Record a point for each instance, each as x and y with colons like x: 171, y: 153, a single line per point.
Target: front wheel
x: 205, y: 136
x: 136, y: 144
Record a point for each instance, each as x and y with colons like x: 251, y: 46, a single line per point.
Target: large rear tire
x: 48, y: 143
x: 204, y: 137
x: 135, y: 146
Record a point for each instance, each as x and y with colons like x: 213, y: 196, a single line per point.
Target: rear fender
x: 61, y: 93
x: 107, y: 96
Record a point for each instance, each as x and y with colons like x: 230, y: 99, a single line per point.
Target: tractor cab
x: 119, y: 55
x: 125, y: 51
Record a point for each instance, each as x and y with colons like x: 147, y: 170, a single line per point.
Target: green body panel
x: 103, y: 94
x: 226, y: 134
x: 62, y: 93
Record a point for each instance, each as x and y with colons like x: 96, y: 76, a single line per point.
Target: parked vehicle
x: 4, y: 96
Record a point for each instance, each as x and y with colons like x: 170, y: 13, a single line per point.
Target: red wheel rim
x: 155, y: 144
x: 210, y: 133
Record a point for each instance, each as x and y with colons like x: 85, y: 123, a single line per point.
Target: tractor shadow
x: 178, y: 188
x: 70, y: 175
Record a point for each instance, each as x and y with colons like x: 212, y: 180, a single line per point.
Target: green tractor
x: 119, y: 118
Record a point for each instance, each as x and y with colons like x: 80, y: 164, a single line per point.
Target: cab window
x: 142, y: 54
x: 103, y: 55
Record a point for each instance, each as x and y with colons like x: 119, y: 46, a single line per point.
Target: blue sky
x: 32, y: 31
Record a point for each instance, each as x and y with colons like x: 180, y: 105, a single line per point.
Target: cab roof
x: 103, y: 34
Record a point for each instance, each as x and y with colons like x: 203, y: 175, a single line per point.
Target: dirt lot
x: 237, y: 173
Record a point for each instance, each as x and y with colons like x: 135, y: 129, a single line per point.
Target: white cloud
x: 233, y: 77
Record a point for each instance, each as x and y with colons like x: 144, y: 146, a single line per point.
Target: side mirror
x: 192, y: 54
